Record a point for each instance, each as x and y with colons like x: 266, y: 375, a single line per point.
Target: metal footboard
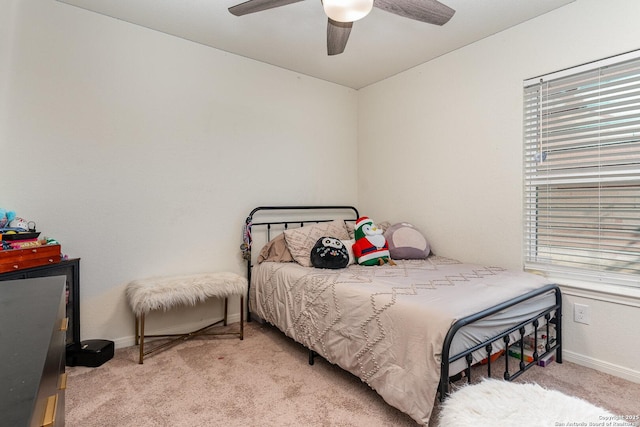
x: 551, y: 315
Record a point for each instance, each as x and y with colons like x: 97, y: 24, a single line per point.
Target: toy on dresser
x: 16, y: 232
x: 6, y: 217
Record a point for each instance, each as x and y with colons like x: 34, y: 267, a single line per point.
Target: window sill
x: 599, y: 291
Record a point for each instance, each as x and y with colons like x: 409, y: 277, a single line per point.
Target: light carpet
x: 266, y: 380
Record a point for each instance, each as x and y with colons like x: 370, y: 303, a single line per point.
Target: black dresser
x: 71, y: 270
x: 33, y: 328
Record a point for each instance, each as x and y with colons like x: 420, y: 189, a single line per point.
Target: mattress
x: 386, y: 324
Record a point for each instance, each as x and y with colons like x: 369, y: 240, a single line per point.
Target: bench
x: 155, y: 293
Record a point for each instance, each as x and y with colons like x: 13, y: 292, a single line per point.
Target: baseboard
x: 131, y: 340
x: 602, y: 366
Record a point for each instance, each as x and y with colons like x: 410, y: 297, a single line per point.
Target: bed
x: 406, y: 329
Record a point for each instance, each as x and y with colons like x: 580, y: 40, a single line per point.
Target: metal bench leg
x: 137, y: 329
x: 141, y: 339
x: 241, y: 317
x: 226, y: 306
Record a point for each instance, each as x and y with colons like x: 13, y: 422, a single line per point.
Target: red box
x: 17, y: 259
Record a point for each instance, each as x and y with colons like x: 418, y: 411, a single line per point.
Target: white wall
x: 143, y: 153
x: 445, y: 141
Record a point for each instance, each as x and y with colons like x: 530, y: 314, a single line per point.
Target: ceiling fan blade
x: 429, y: 11
x: 253, y: 6
x: 337, y: 36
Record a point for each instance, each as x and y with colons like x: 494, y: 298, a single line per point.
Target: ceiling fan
x: 342, y: 13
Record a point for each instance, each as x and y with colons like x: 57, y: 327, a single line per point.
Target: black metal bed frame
x: 552, y: 315
x: 249, y: 224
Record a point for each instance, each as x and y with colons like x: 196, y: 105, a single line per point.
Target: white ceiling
x: 294, y: 36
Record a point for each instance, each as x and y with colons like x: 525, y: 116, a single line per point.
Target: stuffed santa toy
x: 370, y: 247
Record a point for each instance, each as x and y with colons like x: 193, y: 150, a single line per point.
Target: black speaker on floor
x: 91, y: 353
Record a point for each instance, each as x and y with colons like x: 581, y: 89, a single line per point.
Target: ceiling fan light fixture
x: 347, y: 10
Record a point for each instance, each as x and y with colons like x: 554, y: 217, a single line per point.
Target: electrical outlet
x: 581, y: 313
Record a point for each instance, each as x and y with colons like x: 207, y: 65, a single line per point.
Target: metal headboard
x: 285, y: 216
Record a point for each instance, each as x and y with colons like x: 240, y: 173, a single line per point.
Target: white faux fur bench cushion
x: 156, y: 293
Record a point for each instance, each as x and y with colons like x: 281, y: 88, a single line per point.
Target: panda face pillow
x: 329, y: 252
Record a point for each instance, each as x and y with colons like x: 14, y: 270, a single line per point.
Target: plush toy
x: 370, y: 247
x: 6, y: 217
x: 329, y: 252
x: 20, y: 224
x: 406, y: 242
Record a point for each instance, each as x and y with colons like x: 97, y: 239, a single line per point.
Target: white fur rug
x: 497, y: 403
x: 156, y: 293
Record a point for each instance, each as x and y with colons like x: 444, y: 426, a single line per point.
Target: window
x: 582, y: 172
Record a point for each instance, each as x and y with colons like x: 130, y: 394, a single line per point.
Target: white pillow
x: 349, y: 245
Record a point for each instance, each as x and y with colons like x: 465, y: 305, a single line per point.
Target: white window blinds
x: 582, y: 174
